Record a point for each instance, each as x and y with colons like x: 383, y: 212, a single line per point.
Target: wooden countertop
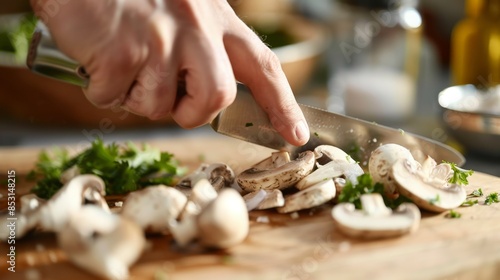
x: 305, y: 248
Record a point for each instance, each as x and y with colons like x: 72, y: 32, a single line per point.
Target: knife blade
x: 245, y: 120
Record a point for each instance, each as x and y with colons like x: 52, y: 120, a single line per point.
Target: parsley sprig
x: 123, y: 168
x: 352, y: 193
x: 460, y: 175
x: 492, y: 198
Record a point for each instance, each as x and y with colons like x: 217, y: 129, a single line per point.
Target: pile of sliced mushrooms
x: 210, y: 206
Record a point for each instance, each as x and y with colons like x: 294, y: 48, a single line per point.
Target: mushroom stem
x: 103, y: 243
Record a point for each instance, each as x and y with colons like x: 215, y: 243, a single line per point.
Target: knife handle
x: 45, y: 58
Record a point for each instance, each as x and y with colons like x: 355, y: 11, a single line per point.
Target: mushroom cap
x: 380, y: 164
x: 280, y: 177
x: 328, y: 153
x: 224, y: 222
x: 433, y: 195
x: 375, y: 220
x: 315, y: 195
x: 153, y: 207
x: 217, y: 170
x: 103, y: 243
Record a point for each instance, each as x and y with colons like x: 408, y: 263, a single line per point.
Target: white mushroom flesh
x: 380, y: 163
x: 425, y: 193
x: 280, y: 177
x: 375, y: 220
x: 53, y: 214
x: 152, y: 208
x: 103, y: 243
x: 224, y: 223
x: 264, y: 199
x: 316, y: 195
x: 332, y: 169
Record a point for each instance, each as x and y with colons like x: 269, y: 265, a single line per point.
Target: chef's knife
x: 245, y: 120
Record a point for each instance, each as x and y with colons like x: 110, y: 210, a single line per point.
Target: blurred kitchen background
x: 380, y: 60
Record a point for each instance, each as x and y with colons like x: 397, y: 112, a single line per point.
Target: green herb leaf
x: 453, y: 215
x: 469, y: 202
x: 476, y: 193
x: 122, y: 168
x: 352, y: 193
x: 492, y: 198
x: 435, y: 200
x: 459, y: 175
x: 17, y: 40
x: 248, y: 124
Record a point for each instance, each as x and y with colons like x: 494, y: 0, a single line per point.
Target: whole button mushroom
x: 380, y: 163
x: 153, y: 208
x: 224, y: 222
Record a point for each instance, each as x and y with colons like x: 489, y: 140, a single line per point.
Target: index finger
x: 255, y: 65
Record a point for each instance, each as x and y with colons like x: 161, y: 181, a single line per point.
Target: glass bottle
x: 475, y: 45
x: 374, y: 60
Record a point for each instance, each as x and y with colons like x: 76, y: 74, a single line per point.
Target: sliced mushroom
x: 217, y: 170
x: 30, y: 202
x: 53, y: 214
x: 70, y: 173
x: 439, y: 173
x: 253, y: 199
x: 102, y: 243
x: 152, y: 208
x: 328, y: 153
x: 428, y: 192
x: 380, y: 163
x: 266, y: 176
x: 224, y: 223
x: 316, y: 195
x: 375, y: 220
x: 332, y: 169
x: 265, y: 199
x: 211, y: 172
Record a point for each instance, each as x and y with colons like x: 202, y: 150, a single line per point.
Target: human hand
x: 136, y: 52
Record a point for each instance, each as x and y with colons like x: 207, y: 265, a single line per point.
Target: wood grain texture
x: 305, y: 248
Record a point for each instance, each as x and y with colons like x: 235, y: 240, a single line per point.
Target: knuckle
x: 270, y: 63
x: 221, y: 96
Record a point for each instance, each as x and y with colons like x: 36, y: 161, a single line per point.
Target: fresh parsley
x: 16, y: 40
x: 476, y: 193
x: 492, y: 198
x: 459, y: 175
x: 352, y: 193
x: 453, y: 215
x: 469, y: 202
x: 123, y: 168
x: 435, y: 200
x: 248, y: 124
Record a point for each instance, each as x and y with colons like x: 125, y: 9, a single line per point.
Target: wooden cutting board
x: 308, y: 247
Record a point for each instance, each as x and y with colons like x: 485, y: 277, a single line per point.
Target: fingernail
x: 302, y: 132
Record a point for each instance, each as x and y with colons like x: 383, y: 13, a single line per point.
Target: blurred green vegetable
x: 123, y: 168
x: 16, y: 41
